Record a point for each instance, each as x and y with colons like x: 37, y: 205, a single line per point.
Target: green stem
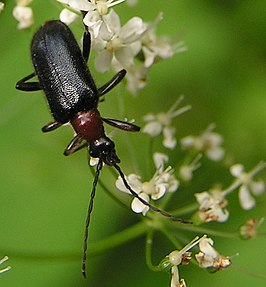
x: 117, y: 239
x: 148, y: 251
x: 205, y: 230
x: 186, y: 209
x: 94, y: 248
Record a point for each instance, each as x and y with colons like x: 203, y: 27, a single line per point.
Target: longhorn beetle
x: 73, y: 97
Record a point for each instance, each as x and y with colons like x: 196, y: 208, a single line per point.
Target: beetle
x: 72, y: 95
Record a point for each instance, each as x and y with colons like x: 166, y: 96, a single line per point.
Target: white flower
x: 186, y: 170
x: 207, y: 142
x: 162, y: 123
x: 180, y: 257
x: 4, y: 259
x: 94, y: 18
x: 136, y: 78
x: 154, y: 47
x: 212, y: 206
x: 248, y: 186
x: 116, y: 43
x: 93, y: 9
x: 208, y: 257
x: 23, y: 14
x: 163, y: 181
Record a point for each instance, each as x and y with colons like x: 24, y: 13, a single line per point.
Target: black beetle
x: 73, y: 97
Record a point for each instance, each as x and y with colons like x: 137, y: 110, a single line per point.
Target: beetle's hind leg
x: 23, y: 85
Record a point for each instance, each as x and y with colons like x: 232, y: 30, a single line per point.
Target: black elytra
x: 61, y: 68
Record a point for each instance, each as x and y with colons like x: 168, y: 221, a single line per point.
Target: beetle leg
x: 112, y: 83
x: 75, y: 145
x: 51, y: 126
x: 122, y: 125
x: 86, y: 45
x: 29, y: 87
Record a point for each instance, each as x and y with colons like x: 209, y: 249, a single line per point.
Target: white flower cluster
x: 212, y: 204
x: 207, y: 142
x: 248, y: 186
x: 133, y: 46
x: 163, y: 181
x: 23, y: 13
x: 207, y: 258
x: 162, y: 123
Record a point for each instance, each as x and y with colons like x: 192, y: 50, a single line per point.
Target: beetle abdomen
x: 62, y: 71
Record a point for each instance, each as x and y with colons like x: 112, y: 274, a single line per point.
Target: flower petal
x: 67, y: 16
x: 138, y: 207
x: 133, y: 181
x: 237, y: 169
x: 246, y: 200
x: 132, y: 30
x: 257, y: 187
x: 160, y: 159
x: 152, y: 128
x: 102, y: 61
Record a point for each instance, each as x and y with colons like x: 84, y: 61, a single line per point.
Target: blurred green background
x: 44, y: 196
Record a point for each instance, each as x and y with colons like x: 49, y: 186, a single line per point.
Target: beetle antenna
x: 90, y: 207
x: 153, y: 208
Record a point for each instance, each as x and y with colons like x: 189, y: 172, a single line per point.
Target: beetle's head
x: 104, y: 149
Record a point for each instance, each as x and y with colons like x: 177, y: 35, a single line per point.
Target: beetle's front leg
x: 122, y: 125
x: 30, y: 86
x: 51, y: 126
x: 86, y: 46
x: 112, y: 83
x: 75, y: 145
